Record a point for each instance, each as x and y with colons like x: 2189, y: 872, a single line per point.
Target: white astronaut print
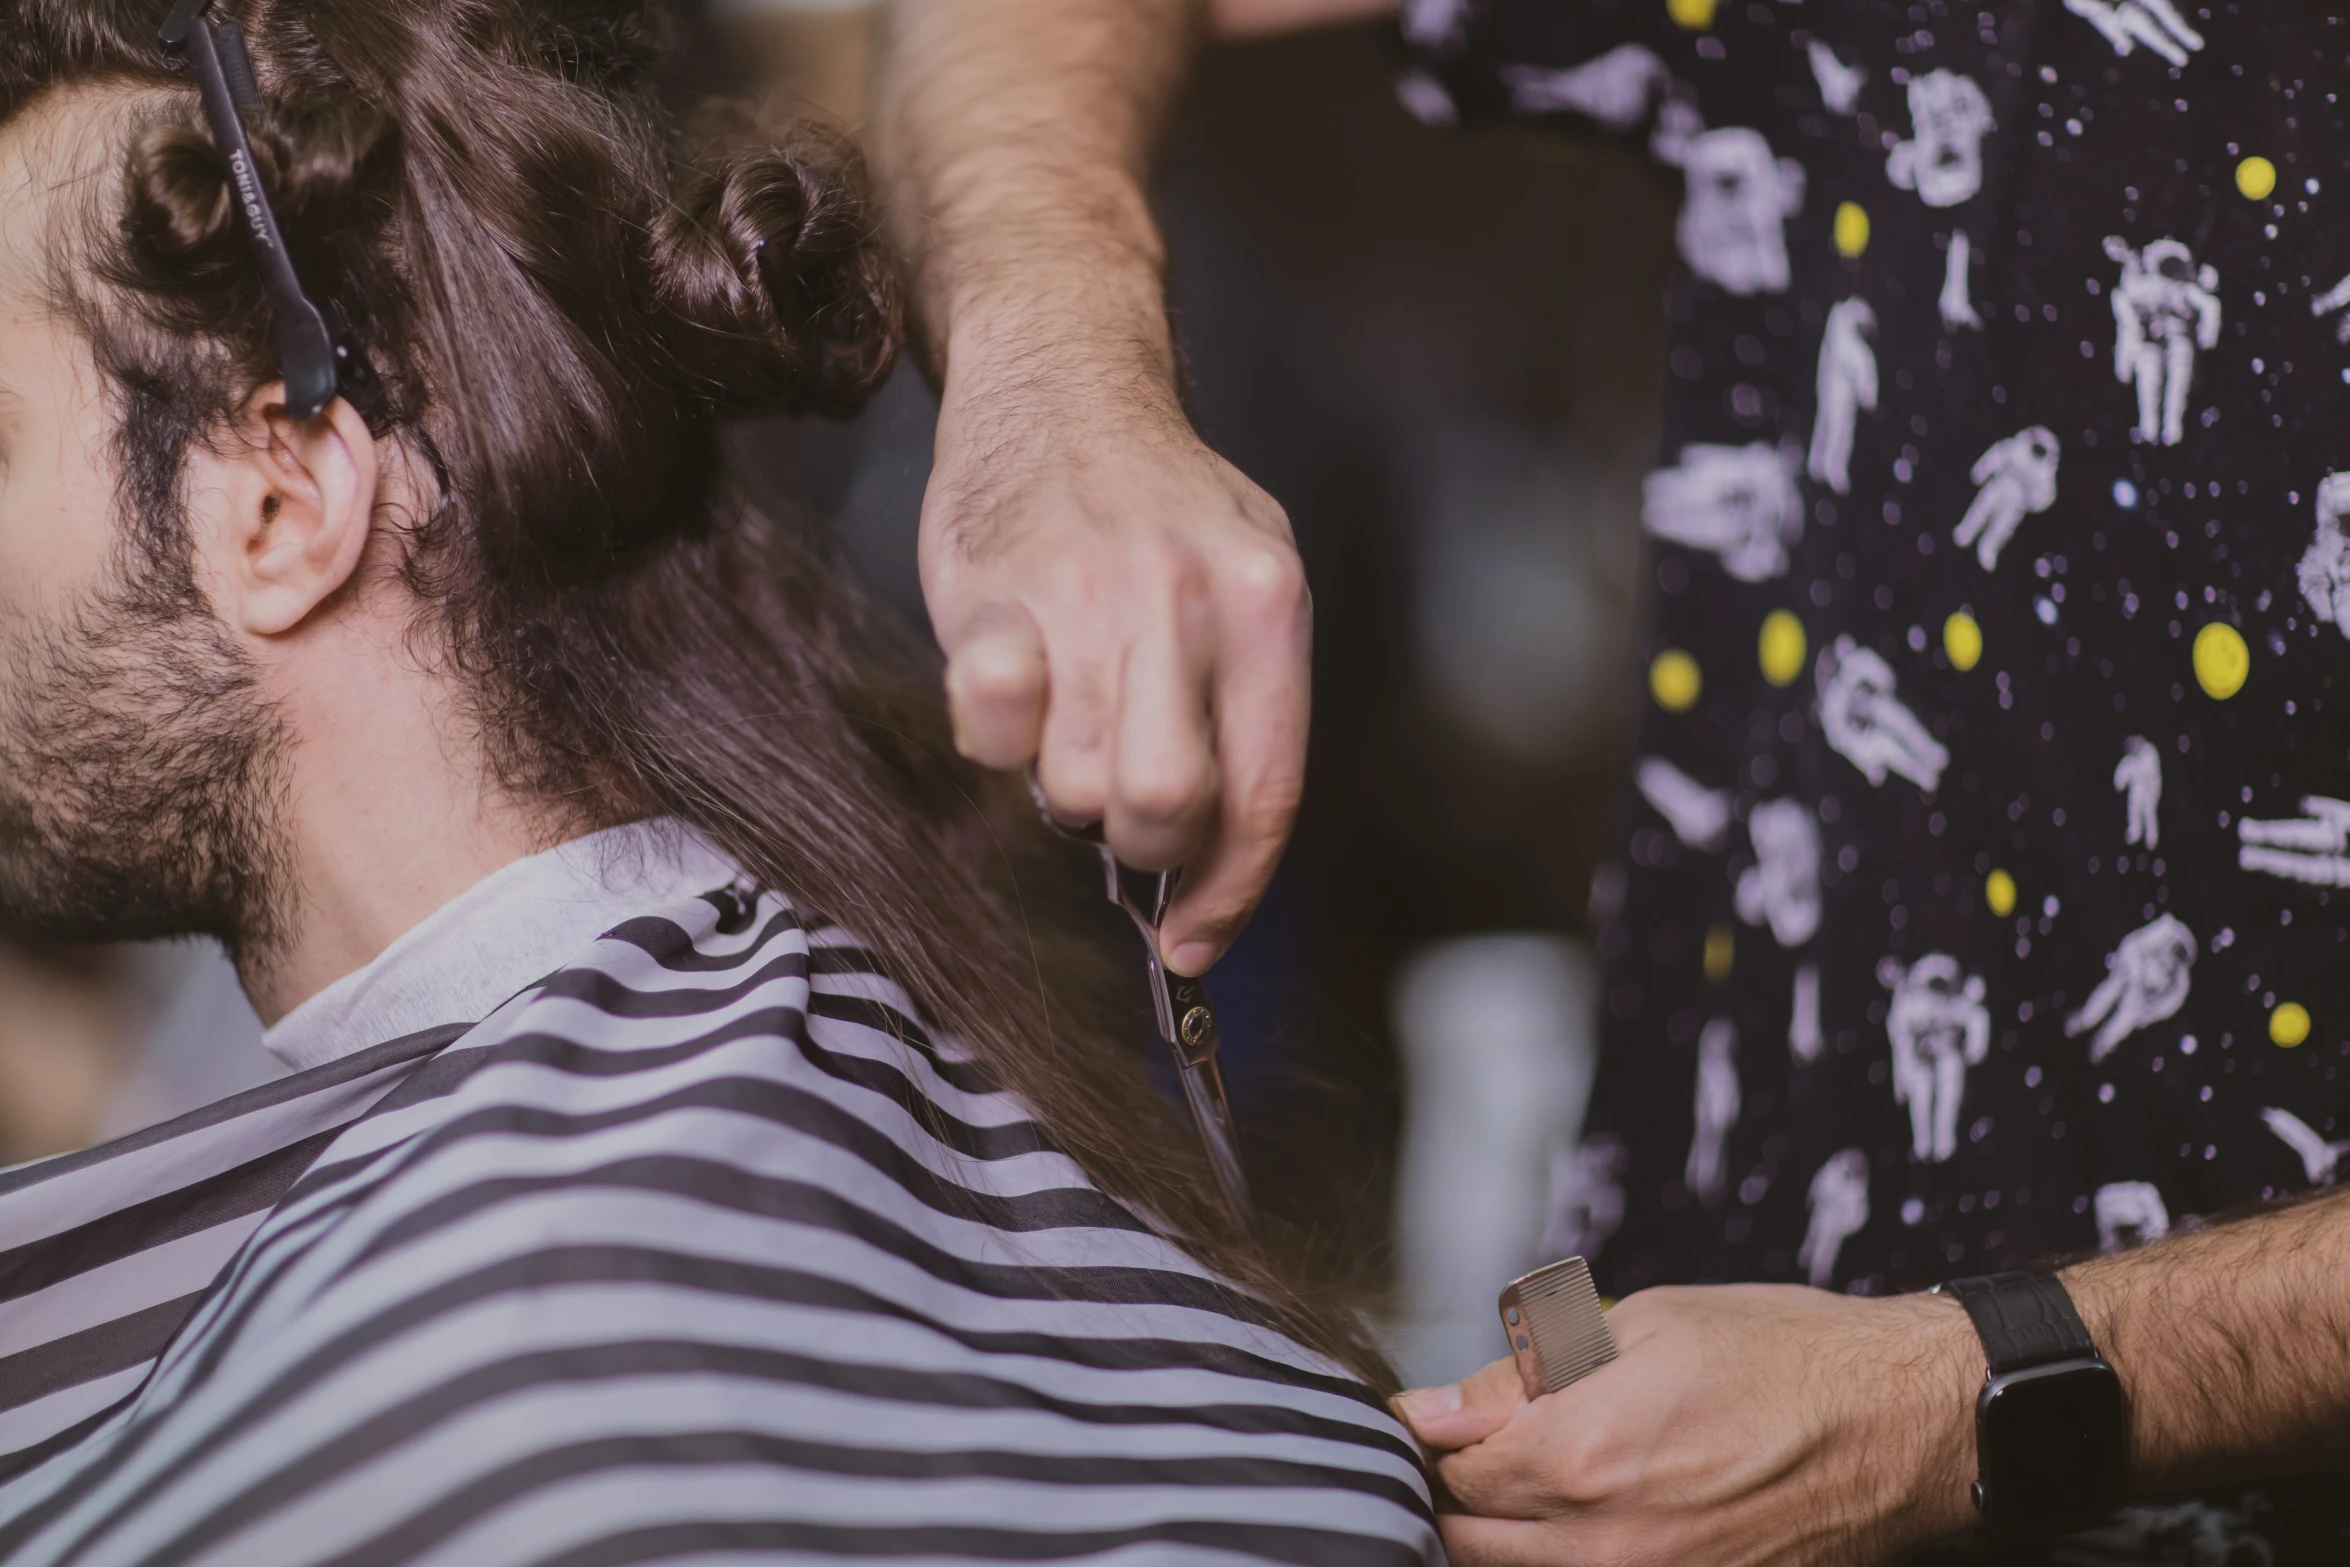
x: 2319, y: 1157
x: 2146, y: 981
x: 1938, y: 1027
x: 1737, y: 198
x: 2128, y: 23
x: 1434, y: 24
x: 1613, y: 90
x: 2139, y: 776
x: 1700, y: 817
x: 1739, y: 502
x: 1957, y: 303
x: 1847, y: 384
x: 1782, y: 887
x: 2130, y: 1213
x: 2325, y: 566
x: 2165, y: 308
x: 1867, y: 725
x: 2333, y: 299
x: 1840, y: 84
x: 1586, y: 1197
x: 1806, y: 1041
x: 1425, y: 99
x: 2018, y: 479
x: 2313, y: 848
x: 1716, y: 1108
x: 1943, y: 159
x: 1839, y: 1208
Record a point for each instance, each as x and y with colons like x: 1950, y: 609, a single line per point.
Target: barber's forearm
x: 1120, y: 608
x: 2233, y: 1343
x: 1015, y: 137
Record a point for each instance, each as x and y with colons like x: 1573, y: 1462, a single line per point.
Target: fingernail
x: 1430, y: 1403
x: 1193, y: 958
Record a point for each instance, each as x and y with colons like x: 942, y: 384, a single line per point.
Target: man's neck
x: 390, y: 810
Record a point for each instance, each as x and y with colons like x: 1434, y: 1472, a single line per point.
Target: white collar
x: 514, y: 926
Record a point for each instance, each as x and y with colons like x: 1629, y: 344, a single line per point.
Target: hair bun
x: 321, y: 163
x: 766, y: 266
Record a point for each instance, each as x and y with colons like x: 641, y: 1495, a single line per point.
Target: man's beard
x: 141, y: 773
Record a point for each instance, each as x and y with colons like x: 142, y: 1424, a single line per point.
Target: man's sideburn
x: 139, y: 766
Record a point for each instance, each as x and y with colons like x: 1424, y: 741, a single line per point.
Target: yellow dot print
x: 1962, y: 639
x: 1999, y: 892
x: 2222, y: 661
x: 2256, y: 177
x: 1782, y: 647
x: 1696, y: 15
x: 1721, y: 950
x: 1852, y: 230
x: 2288, y: 1025
x: 1674, y: 680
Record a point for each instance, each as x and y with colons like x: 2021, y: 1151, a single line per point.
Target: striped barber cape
x: 695, y: 1246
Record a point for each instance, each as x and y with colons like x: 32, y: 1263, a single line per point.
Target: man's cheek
x: 47, y: 558
x: 61, y: 525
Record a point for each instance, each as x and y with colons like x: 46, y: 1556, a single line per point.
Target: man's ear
x: 296, y: 503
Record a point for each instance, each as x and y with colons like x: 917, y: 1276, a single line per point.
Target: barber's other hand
x: 1740, y: 1425
x: 1121, y: 607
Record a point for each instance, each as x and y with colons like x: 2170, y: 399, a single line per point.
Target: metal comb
x: 1558, y: 1335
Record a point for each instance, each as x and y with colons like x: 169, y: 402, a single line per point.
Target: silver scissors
x: 1187, y: 1024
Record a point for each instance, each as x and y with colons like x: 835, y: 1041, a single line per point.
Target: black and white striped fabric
x: 698, y: 1249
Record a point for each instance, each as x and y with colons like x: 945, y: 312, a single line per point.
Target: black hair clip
x: 316, y: 351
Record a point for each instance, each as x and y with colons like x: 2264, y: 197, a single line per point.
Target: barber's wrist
x: 1069, y: 315
x: 2094, y: 1303
x: 1935, y: 1400
x: 2098, y: 1291
x: 1055, y: 396
x: 1083, y: 360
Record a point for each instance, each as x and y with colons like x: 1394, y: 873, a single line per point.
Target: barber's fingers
x: 1262, y: 710
x: 997, y: 685
x: 1524, y: 1471
x: 1084, y: 659
x: 1566, y: 1455
x: 1470, y: 1541
x: 1464, y: 1412
x: 1163, y: 773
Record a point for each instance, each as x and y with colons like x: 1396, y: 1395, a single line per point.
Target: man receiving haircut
x: 686, y: 1155
x: 2020, y: 696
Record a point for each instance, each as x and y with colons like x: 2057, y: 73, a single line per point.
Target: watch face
x: 2053, y: 1445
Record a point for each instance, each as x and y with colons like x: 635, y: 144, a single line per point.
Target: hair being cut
x: 566, y: 295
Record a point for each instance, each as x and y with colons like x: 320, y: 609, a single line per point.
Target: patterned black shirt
x: 1984, y: 892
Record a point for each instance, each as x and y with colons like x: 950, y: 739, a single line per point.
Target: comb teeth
x: 1558, y: 1335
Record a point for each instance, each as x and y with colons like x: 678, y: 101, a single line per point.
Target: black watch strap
x: 2024, y: 1320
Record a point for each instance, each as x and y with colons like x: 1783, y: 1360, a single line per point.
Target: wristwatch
x: 2052, y: 1430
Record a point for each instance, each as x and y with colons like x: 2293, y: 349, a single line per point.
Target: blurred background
x: 1440, y: 352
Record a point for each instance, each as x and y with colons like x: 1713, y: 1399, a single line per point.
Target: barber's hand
x: 1740, y: 1425
x: 1121, y: 607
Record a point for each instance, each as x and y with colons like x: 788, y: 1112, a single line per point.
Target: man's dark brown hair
x: 566, y: 297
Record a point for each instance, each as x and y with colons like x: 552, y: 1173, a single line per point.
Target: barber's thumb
x: 996, y: 687
x: 1461, y: 1413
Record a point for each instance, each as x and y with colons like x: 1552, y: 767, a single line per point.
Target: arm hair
x: 1015, y: 138
x: 2232, y: 1342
